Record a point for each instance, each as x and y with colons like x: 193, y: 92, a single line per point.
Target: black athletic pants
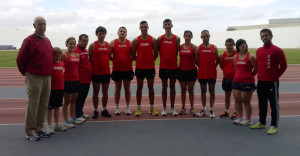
x: 268, y: 91
x: 82, y: 95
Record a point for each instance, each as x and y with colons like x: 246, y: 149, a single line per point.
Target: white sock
x: 103, y: 108
x: 151, y: 105
x: 139, y: 106
x: 227, y: 110
x: 204, y: 108
x: 211, y: 109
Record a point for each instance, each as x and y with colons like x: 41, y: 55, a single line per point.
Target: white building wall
x: 284, y: 37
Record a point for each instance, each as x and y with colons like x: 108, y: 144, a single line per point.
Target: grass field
x: 8, y: 58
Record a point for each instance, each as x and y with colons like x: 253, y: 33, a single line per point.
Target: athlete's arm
x: 221, y: 61
x: 217, y: 56
x: 177, y: 44
x: 282, y: 63
x: 155, y: 48
x: 158, y: 43
x: 252, y: 60
x: 134, y: 48
x: 63, y: 57
x: 112, y: 43
x: 90, y: 51
x: 197, y: 55
x: 234, y: 61
x: 110, y: 51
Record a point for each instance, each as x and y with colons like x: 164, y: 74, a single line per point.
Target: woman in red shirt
x: 71, y: 86
x: 187, y: 73
x: 243, y: 83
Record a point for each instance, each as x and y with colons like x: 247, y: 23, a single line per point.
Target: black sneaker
x: 234, y: 116
x: 224, y: 115
x: 105, y: 113
x: 42, y: 134
x: 96, y: 114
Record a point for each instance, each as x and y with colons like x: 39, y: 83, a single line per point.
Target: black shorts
x: 117, y: 76
x: 243, y: 86
x: 166, y: 74
x: 227, y: 84
x: 101, y: 78
x: 187, y: 75
x: 71, y: 87
x: 145, y: 73
x: 56, y: 99
x: 205, y: 81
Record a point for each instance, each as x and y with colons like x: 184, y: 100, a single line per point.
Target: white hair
x: 38, y: 18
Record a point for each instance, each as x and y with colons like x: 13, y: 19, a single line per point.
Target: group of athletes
x: 75, y: 69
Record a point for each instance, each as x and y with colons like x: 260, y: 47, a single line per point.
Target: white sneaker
x: 127, y: 111
x: 173, y: 112
x: 212, y: 114
x: 117, y: 111
x: 202, y: 113
x: 164, y: 112
x: 74, y: 121
x: 60, y: 127
x: 246, y: 122
x: 50, y: 129
x: 81, y: 119
x: 68, y: 124
x: 85, y: 116
x: 237, y: 121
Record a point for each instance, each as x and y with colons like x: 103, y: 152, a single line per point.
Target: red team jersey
x: 207, y: 63
x: 168, y: 53
x: 145, y: 57
x: 85, y: 67
x: 187, y: 58
x: 243, y: 73
x: 100, y: 63
x: 122, y: 60
x: 57, y: 79
x: 71, y: 68
x: 271, y: 63
x: 228, y: 65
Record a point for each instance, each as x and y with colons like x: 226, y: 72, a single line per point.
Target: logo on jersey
x: 185, y: 51
x: 168, y: 42
x: 144, y: 44
x: 206, y: 51
x: 58, y: 68
x: 269, y: 61
x: 122, y: 45
x: 102, y: 48
x: 74, y: 59
x: 229, y: 58
x: 240, y: 62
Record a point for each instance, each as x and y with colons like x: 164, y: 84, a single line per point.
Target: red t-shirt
x: 207, y: 63
x: 228, y: 65
x: 243, y: 73
x: 145, y: 57
x: 271, y: 63
x: 122, y: 60
x: 187, y: 58
x: 57, y: 79
x: 168, y: 53
x: 71, y: 68
x: 100, y: 62
x: 85, y: 67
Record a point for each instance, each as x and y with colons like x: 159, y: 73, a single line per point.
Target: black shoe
x: 224, y: 115
x: 95, y: 115
x: 105, y: 113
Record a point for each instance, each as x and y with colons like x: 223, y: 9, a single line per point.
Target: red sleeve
x: 22, y: 56
x: 282, y: 62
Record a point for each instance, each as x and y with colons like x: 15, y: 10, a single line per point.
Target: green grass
x: 8, y: 58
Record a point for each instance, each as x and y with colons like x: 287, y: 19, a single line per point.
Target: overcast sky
x: 84, y: 16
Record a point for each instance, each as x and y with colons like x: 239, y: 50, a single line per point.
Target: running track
x: 12, y: 110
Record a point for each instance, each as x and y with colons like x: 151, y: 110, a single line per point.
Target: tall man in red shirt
x: 145, y: 47
x: 271, y: 64
x: 168, y: 46
x: 35, y: 62
x: 85, y: 76
x: 207, y: 59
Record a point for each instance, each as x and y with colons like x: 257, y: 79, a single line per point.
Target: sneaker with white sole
x: 117, y: 111
x: 238, y: 121
x: 202, y: 113
x: 212, y: 114
x: 50, y: 129
x: 246, y: 122
x: 127, y: 111
x: 153, y: 112
x: 68, y: 124
x: 74, y: 121
x: 60, y: 127
x: 85, y: 116
x: 173, y: 112
x: 164, y: 112
x: 81, y: 119
x: 33, y: 137
x: 258, y: 126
